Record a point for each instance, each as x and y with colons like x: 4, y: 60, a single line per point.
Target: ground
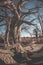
x: 36, y: 56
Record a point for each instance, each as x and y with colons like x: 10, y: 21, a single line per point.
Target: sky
x: 28, y: 5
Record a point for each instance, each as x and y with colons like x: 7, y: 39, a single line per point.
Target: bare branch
x: 31, y: 11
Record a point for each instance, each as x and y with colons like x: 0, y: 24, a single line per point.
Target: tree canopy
x: 19, y: 15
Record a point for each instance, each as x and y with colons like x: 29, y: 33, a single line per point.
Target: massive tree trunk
x: 14, y: 34
x: 13, y: 31
x: 12, y: 28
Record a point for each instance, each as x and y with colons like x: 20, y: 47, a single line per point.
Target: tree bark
x: 8, y: 22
